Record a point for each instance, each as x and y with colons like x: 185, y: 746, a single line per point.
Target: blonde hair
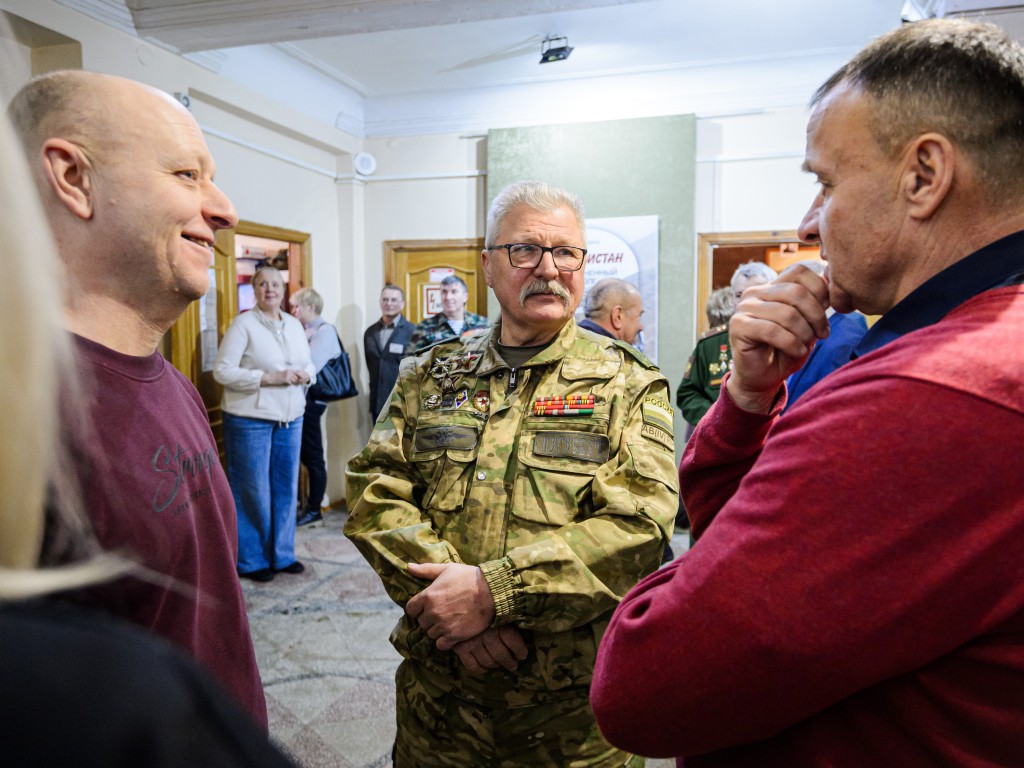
x: 37, y: 375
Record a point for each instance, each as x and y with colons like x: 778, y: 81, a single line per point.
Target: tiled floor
x: 322, y: 645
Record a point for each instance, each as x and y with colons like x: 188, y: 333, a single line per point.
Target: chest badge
x: 447, y: 368
x: 481, y: 401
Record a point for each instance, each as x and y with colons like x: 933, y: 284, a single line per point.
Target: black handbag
x: 334, y: 380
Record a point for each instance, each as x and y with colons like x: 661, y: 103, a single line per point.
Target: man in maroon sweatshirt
x: 126, y: 179
x: 855, y: 595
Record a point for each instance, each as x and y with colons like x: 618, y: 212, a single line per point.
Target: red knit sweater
x: 856, y: 594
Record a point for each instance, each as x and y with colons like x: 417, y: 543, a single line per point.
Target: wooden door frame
x: 706, y: 244
x: 393, y: 247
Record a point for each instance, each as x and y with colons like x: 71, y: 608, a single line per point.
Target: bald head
x: 88, y: 108
x: 615, y: 305
x: 127, y: 182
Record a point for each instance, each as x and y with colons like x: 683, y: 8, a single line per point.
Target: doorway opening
x: 720, y: 253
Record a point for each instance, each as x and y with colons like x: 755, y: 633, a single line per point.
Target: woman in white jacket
x: 265, y: 366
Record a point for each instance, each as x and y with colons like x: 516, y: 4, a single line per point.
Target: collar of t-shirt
x: 515, y: 357
x: 997, y: 264
x: 456, y: 325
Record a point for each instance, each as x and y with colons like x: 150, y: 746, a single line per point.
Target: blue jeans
x: 263, y: 471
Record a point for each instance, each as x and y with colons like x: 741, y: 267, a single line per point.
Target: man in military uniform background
x: 518, y: 483
x: 711, y: 358
x: 451, y: 322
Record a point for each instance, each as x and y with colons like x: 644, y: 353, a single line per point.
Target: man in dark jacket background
x: 384, y: 344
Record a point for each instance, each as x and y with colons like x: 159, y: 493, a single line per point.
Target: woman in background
x: 265, y: 366
x: 324, y: 344
x: 76, y: 687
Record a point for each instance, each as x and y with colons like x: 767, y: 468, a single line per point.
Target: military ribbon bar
x: 564, y: 405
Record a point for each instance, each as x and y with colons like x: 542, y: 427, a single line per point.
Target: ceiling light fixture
x: 550, y: 52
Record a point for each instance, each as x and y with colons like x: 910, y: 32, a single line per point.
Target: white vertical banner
x: 626, y: 247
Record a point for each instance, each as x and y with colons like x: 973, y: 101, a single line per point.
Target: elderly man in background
x: 614, y: 308
x: 517, y: 484
x: 711, y: 358
x: 452, y: 321
x: 384, y: 346
x: 127, y: 183
x: 828, y: 615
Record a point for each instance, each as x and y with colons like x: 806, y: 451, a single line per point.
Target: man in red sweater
x: 855, y: 593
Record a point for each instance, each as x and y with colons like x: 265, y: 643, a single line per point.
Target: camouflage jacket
x: 436, y: 328
x: 563, y: 513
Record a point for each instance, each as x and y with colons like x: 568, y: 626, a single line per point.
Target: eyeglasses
x: 567, y: 258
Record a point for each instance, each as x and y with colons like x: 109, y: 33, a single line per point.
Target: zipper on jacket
x: 513, y: 380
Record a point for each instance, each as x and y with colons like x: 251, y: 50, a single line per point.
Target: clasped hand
x: 456, y: 610
x: 286, y: 377
x: 772, y: 333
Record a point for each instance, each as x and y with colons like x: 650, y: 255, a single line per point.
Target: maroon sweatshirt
x: 155, y: 491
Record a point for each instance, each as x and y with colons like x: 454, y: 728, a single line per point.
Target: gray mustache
x: 538, y: 286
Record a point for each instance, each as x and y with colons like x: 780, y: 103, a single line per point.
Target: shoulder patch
x: 657, y: 421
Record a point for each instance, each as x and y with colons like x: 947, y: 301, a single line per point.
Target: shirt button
x: 481, y: 475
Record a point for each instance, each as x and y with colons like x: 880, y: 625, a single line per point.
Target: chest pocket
x: 444, y: 450
x: 558, y: 460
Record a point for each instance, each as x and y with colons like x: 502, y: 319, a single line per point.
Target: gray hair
x: 538, y: 195
x: 720, y: 306
x: 605, y: 294
x: 454, y: 280
x: 393, y: 287
x: 266, y: 268
x: 960, y: 79
x: 753, y: 270
x: 307, y: 297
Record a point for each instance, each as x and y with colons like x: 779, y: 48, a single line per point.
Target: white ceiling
x: 391, y: 67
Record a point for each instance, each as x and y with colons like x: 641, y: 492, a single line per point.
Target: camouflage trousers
x: 440, y: 730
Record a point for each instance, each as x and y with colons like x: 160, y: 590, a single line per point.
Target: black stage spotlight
x: 551, y: 52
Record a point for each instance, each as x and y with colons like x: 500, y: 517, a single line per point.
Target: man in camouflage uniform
x: 452, y: 321
x: 711, y: 358
x: 518, y: 483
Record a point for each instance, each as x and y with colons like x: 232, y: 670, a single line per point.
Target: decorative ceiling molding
x: 113, y: 13
x: 211, y: 60
x: 194, y: 25
x: 325, y: 69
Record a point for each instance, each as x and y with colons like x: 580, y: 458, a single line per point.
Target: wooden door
x: 418, y: 266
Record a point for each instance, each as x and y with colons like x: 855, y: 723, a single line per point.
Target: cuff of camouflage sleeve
x: 505, y: 588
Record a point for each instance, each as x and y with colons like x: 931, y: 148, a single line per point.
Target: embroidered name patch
x: 459, y: 438
x: 572, y: 445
